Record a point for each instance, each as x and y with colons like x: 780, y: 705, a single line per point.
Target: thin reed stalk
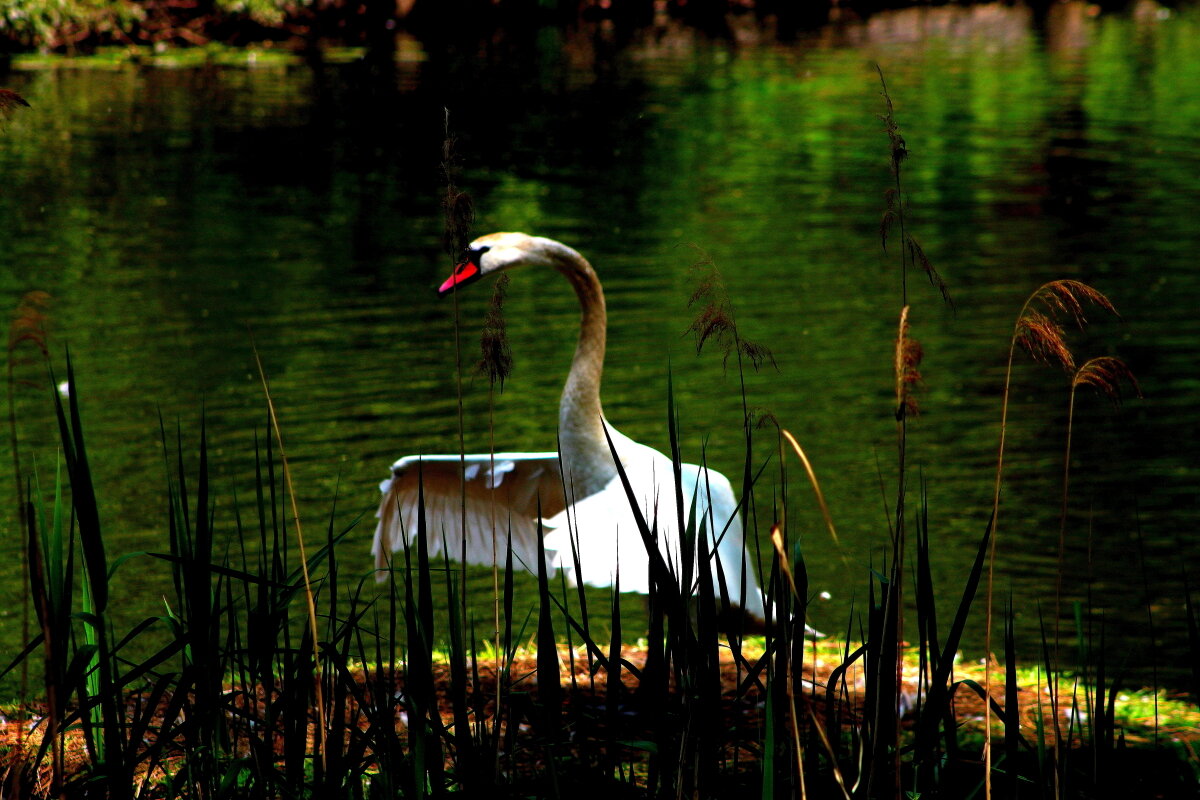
x: 496, y: 363
x: 28, y: 327
x: 308, y: 591
x: 1038, y: 331
x: 1105, y: 375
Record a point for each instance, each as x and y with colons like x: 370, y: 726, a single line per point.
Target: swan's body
x: 582, y: 499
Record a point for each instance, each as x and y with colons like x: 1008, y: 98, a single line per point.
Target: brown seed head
x: 763, y: 417
x: 908, y: 377
x: 1106, y: 374
x: 497, y: 361
x: 457, y: 206
x: 460, y: 217
x: 715, y: 320
x: 10, y: 101
x: 29, y: 322
x: 1039, y: 332
x: 1067, y: 297
x: 1044, y: 339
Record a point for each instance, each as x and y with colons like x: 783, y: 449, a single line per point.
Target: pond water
x: 182, y: 218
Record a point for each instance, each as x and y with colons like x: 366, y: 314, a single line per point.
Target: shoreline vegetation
x: 81, y: 27
x: 1143, y: 717
x: 272, y: 674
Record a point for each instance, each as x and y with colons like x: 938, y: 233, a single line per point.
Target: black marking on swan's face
x: 474, y: 255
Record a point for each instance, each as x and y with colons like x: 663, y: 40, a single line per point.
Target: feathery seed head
x: 763, y: 417
x: 1105, y: 374
x: 715, y: 318
x: 899, y: 150
x: 497, y: 361
x: 10, y: 101
x: 457, y: 206
x: 917, y: 256
x: 1039, y: 332
x: 1044, y: 339
x: 908, y: 377
x: 29, y: 322
x: 460, y: 216
x: 1068, y: 296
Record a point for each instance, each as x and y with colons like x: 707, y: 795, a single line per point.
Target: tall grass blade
x: 83, y: 495
x: 816, y: 484
x: 660, y: 573
x: 937, y: 707
x: 87, y: 516
x: 1193, y: 635
x: 613, y: 688
x: 424, y: 722
x: 466, y: 770
x: 1012, y: 717
x: 313, y: 635
x: 549, y: 687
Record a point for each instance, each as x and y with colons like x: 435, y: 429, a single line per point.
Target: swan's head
x: 500, y: 251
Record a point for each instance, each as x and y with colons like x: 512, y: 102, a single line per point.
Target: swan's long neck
x: 586, y: 457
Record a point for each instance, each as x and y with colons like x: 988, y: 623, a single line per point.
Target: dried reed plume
x: 10, y: 101
x: 911, y: 252
x: 457, y: 205
x: 715, y: 318
x: 497, y: 361
x: 908, y: 358
x: 1039, y: 332
x: 29, y: 325
x: 1106, y: 374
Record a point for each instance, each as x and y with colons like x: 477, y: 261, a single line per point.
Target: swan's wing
x: 502, y: 493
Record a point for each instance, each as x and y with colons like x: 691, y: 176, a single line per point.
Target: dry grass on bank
x: 585, y: 705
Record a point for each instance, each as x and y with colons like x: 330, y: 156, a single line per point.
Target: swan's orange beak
x: 466, y: 272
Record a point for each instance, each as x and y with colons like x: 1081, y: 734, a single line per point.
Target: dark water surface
x: 181, y: 217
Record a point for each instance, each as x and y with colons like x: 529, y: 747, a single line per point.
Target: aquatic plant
x: 912, y: 255
x: 1038, y: 331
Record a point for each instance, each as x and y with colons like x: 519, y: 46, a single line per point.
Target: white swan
x: 503, y: 491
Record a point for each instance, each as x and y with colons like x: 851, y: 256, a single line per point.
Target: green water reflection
x: 182, y: 217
